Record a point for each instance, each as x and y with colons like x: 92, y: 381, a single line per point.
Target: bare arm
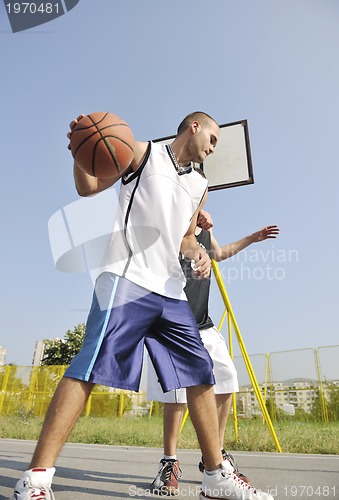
x: 191, y: 249
x: 219, y: 253
x: 87, y: 185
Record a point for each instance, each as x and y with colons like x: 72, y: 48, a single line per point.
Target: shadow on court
x: 90, y: 472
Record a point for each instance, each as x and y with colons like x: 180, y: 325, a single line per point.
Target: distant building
x: 38, y: 352
x: 3, y: 353
x: 288, y: 395
x: 289, y: 409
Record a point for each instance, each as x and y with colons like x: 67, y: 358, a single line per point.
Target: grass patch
x: 294, y: 436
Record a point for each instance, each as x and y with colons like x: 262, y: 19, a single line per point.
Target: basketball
x: 102, y: 144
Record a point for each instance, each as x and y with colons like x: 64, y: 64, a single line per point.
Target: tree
x: 62, y: 351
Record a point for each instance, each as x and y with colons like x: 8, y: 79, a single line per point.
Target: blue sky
x: 272, y: 63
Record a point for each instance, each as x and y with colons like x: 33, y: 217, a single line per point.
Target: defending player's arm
x: 87, y: 185
x: 219, y: 253
x: 191, y: 249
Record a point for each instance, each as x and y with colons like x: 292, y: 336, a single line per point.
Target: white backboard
x: 231, y: 164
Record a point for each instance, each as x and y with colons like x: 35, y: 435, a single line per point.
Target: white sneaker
x: 35, y: 485
x: 227, y: 485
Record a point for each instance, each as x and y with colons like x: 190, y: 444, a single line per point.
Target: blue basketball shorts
x: 123, y: 319
x: 226, y: 378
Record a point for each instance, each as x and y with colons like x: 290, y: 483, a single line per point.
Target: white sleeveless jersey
x: 156, y: 208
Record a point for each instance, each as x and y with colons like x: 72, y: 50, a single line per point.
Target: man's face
x: 203, y: 141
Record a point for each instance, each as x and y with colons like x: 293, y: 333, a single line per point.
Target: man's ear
x: 195, y: 127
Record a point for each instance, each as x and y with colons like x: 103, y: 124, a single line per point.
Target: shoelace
x: 228, y: 456
x: 236, y: 479
x: 42, y: 494
x: 169, y: 467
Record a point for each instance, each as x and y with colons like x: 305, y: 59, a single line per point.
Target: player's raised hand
x: 265, y: 233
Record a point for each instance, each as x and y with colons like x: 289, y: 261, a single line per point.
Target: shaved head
x: 196, y: 116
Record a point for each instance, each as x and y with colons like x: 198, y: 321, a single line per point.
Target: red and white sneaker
x: 166, y: 481
x: 35, y: 485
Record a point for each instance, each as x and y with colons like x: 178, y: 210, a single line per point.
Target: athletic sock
x: 225, y: 466
x: 212, y: 472
x: 170, y: 457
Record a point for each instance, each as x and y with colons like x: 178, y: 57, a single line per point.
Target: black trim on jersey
x: 140, y: 168
x: 183, y: 170
x: 137, y: 174
x: 128, y: 211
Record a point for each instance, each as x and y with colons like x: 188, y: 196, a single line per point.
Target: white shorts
x: 226, y: 379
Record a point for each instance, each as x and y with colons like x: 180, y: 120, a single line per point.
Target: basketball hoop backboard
x: 231, y: 164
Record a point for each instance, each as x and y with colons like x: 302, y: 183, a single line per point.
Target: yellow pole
x: 150, y: 409
x: 88, y: 406
x: 4, y: 386
x: 234, y: 398
x: 248, y: 364
x: 222, y: 320
x: 121, y: 403
x: 324, y: 410
x: 265, y: 382
x: 184, y: 420
x: 266, y: 376
x: 268, y: 379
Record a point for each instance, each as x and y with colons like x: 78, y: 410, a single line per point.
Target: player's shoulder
x: 140, y: 151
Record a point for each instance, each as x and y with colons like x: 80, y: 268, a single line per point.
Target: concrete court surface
x: 96, y: 472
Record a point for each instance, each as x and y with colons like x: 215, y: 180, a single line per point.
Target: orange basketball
x: 102, y: 144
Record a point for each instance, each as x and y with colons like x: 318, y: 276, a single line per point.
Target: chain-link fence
x: 297, y: 382
x: 302, y: 382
